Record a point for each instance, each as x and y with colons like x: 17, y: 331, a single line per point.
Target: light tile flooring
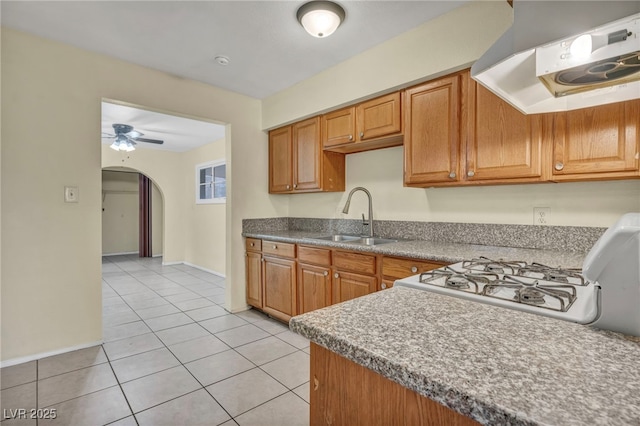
x: 172, y: 355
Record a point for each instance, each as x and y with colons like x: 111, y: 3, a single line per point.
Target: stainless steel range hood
x: 533, y: 67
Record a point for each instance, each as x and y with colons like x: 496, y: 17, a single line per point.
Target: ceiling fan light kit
x: 320, y: 18
x: 126, y: 138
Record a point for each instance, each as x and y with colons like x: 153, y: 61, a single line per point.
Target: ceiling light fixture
x: 320, y: 18
x: 122, y: 143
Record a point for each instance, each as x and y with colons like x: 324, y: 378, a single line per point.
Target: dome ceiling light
x: 320, y: 18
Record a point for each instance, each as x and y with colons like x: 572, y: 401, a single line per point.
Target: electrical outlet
x: 541, y: 216
x: 71, y: 194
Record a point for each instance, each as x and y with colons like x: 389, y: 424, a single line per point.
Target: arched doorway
x: 132, y: 213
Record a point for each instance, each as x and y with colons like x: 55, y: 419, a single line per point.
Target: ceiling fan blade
x: 134, y: 134
x: 156, y: 141
x: 108, y: 135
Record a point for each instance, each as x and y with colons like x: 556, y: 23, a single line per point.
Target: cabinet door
x: 597, y: 142
x: 432, y: 132
x: 314, y: 287
x: 339, y: 127
x: 253, y: 267
x: 348, y: 286
x: 502, y: 143
x: 379, y: 117
x: 307, y: 154
x: 280, y: 160
x: 279, y: 287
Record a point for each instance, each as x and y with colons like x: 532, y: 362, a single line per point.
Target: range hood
x: 537, y: 68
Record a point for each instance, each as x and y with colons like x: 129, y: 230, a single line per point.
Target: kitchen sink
x: 352, y: 239
x: 338, y: 238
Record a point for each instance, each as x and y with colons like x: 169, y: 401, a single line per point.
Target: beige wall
x: 157, y: 221
x: 120, y: 218
x: 51, y: 250
x: 447, y: 43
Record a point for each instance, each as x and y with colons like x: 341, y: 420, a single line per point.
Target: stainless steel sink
x: 373, y: 241
x: 352, y: 239
x: 338, y: 238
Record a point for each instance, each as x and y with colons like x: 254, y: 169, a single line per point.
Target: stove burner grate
x: 493, y: 266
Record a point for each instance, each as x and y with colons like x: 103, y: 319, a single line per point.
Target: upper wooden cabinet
x: 597, y: 143
x: 432, y: 132
x: 297, y: 162
x: 501, y: 142
x: 369, y: 125
x: 457, y: 133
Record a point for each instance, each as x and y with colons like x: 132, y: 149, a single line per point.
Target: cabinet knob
x: 350, y: 137
x: 452, y: 175
x: 316, y: 383
x: 261, y: 260
x: 253, y: 244
x: 336, y: 275
x: 471, y: 173
x: 414, y: 269
x: 361, y: 134
x: 275, y: 247
x: 325, y: 273
x: 288, y: 187
x: 559, y: 166
x: 383, y: 285
x: 295, y: 185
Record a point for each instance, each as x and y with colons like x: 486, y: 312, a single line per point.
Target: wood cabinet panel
x: 314, y: 255
x: 599, y: 142
x: 253, y: 244
x: 396, y: 268
x: 501, y: 142
x: 385, y: 284
x: 432, y: 132
x: 347, y: 285
x: 355, y: 262
x: 307, y: 150
x: 337, y: 397
x: 379, y: 117
x: 280, y: 160
x: 253, y: 271
x: 314, y: 287
x: 280, y: 249
x: 279, y: 287
x: 339, y: 127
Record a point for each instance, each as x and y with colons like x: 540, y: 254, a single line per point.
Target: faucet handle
x: 364, y: 221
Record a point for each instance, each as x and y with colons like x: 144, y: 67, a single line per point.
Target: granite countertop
x: 495, y: 365
x: 436, y: 251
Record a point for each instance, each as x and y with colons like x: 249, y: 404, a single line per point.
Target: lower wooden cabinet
x: 345, y: 393
x: 253, y: 268
x: 279, y: 287
x: 314, y: 287
x: 347, y: 286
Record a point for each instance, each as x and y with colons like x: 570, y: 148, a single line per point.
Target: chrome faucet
x: 346, y: 208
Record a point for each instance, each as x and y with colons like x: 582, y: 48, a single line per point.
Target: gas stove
x: 605, y: 292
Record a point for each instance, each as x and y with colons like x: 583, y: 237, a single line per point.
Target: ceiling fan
x: 125, y: 138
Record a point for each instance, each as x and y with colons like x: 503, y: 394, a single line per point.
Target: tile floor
x: 172, y: 355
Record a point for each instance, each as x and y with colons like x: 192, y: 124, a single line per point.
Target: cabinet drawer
x: 314, y: 255
x: 279, y: 249
x: 356, y: 262
x: 400, y: 268
x: 253, y: 244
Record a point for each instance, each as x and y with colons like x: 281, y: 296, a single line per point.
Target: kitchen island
x: 494, y: 365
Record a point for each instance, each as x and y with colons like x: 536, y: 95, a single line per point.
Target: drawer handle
x: 414, y: 269
x: 559, y: 166
x: 275, y: 247
x: 252, y: 244
x: 325, y: 273
x: 336, y: 275
x: 316, y: 383
x: 383, y: 285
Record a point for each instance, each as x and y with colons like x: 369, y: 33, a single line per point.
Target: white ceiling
x: 268, y: 49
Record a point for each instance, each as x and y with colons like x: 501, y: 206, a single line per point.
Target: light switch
x: 71, y: 194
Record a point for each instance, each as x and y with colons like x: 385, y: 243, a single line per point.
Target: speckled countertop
x: 437, y: 251
x: 495, y: 365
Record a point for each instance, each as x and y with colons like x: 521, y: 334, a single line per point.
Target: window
x: 211, y: 182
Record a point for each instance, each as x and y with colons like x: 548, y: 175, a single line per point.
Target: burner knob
x: 559, y: 166
x: 452, y: 175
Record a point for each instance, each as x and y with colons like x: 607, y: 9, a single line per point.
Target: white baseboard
x: 157, y: 255
x: 120, y: 254
x: 195, y: 266
x: 21, y: 360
